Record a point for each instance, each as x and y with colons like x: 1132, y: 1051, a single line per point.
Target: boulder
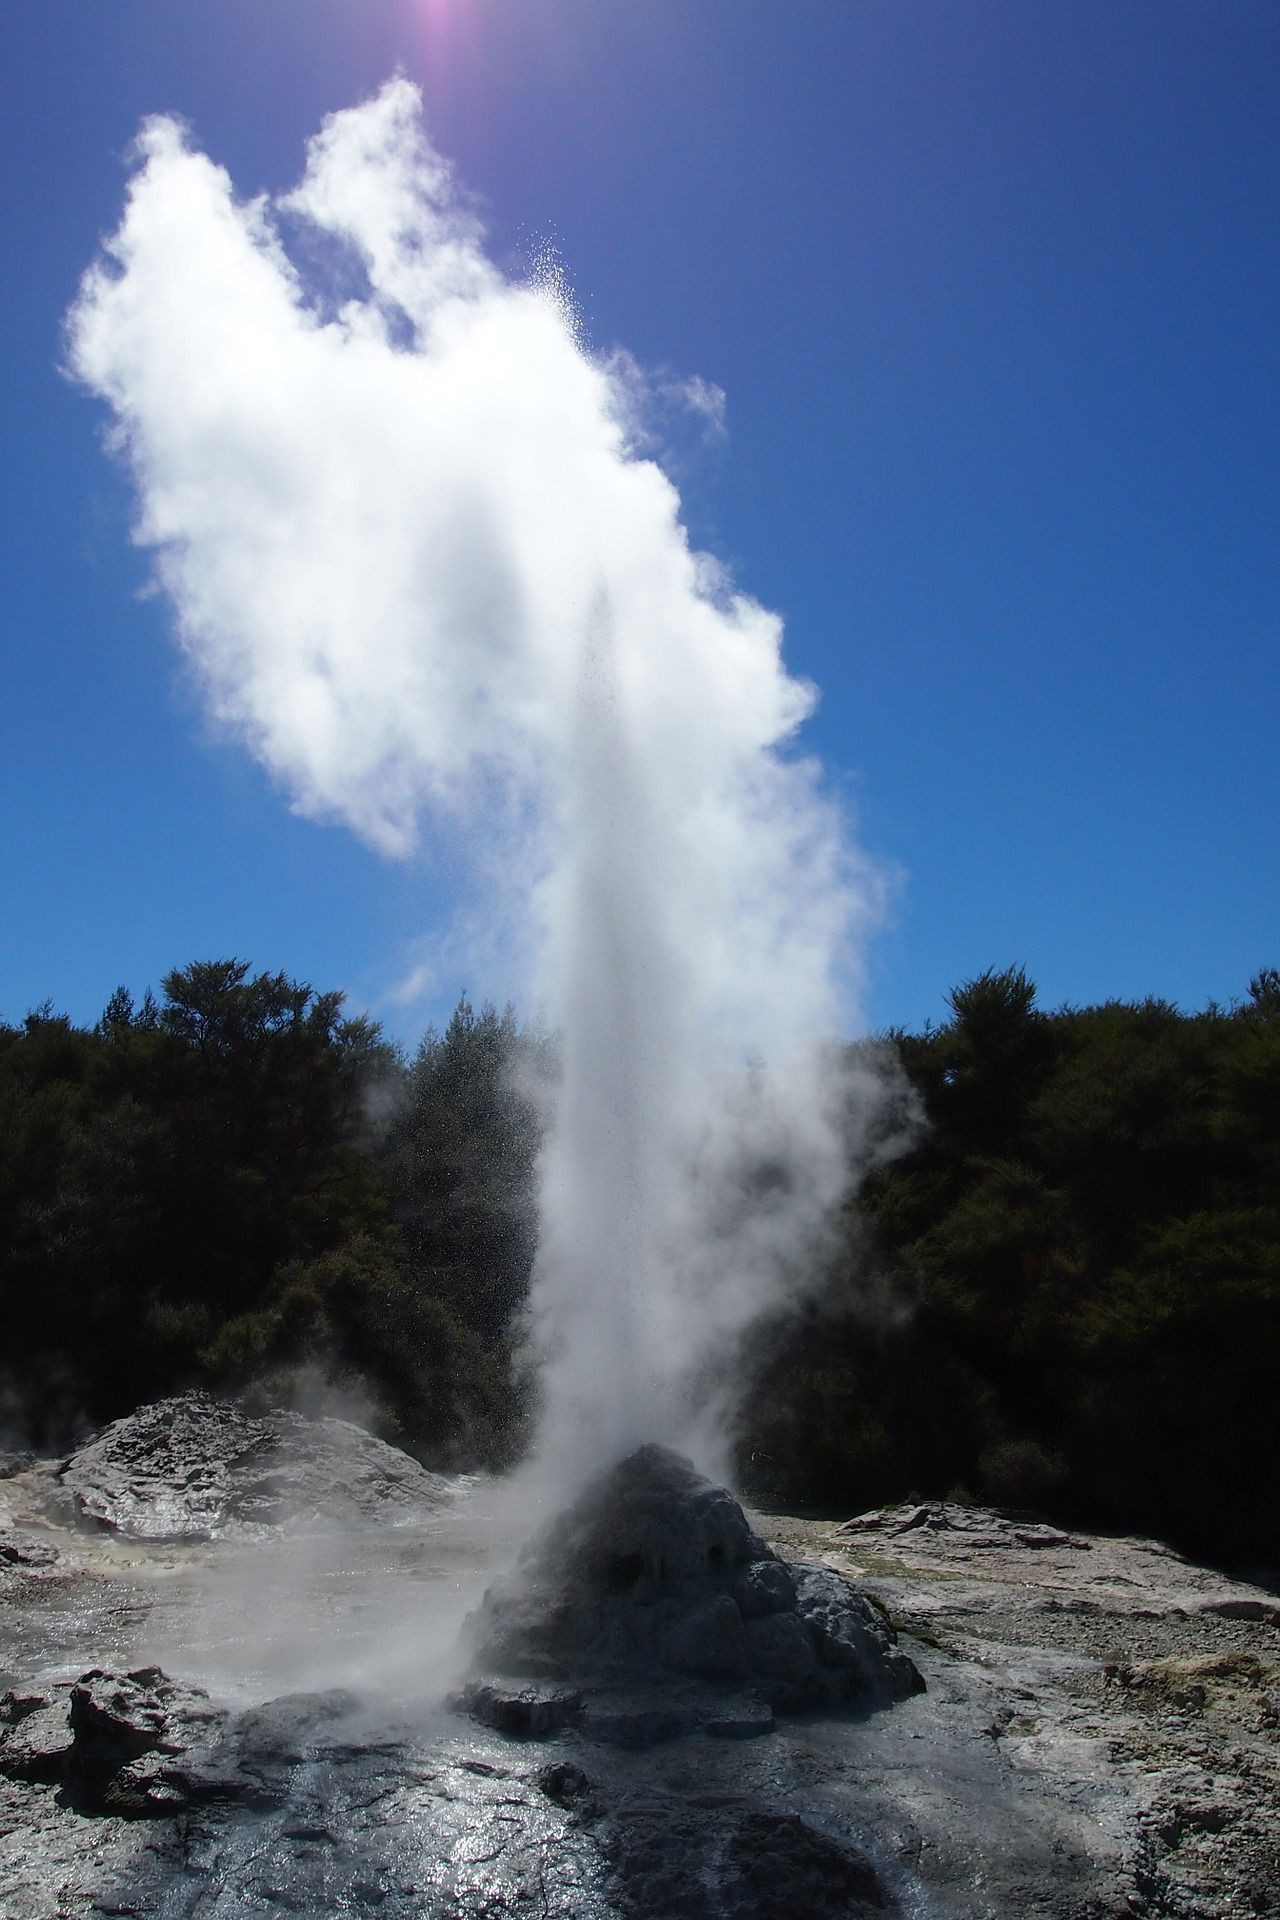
x: 197, y: 1468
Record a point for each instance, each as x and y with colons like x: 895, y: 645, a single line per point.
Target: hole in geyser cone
x: 649, y: 1608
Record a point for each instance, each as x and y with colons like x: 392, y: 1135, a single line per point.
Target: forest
x: 1064, y: 1296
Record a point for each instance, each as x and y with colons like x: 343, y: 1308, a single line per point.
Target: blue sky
x: 992, y: 292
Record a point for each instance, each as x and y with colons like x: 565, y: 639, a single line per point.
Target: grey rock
x: 977, y: 1528
x: 709, y: 1640
x: 1245, y: 1609
x: 765, y: 1587
x: 197, y: 1468
x: 674, y: 1862
x: 21, y: 1549
x: 973, y: 1553
x: 847, y: 1629
x: 523, y: 1713
x: 654, y: 1578
x: 744, y: 1720
x: 633, y: 1721
x: 568, y: 1786
x: 782, y: 1659
x: 135, y: 1745
x: 141, y: 1743
x: 19, y: 1546
x: 35, y: 1735
x: 293, y: 1727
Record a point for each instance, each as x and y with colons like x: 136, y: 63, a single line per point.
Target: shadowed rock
x: 653, y: 1595
x: 736, y: 1863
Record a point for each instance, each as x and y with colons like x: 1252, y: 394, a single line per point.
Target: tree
x: 461, y: 1157
x: 158, y: 1171
x: 997, y: 1051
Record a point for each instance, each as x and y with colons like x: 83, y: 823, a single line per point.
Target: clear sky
x: 991, y: 289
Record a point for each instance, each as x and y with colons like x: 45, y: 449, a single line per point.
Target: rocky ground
x: 238, y: 1709
x: 1136, y: 1691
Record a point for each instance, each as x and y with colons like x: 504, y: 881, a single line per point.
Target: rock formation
x: 133, y: 1744
x: 1099, y: 1736
x: 650, y: 1605
x: 196, y: 1468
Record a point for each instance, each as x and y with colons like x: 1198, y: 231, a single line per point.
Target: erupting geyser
x: 420, y: 567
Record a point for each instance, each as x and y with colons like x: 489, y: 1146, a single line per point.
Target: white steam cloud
x: 421, y: 567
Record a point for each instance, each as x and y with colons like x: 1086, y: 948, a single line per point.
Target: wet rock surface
x: 197, y: 1468
x: 748, y: 1863
x: 654, y: 1597
x: 1100, y: 1737
x: 298, y: 1805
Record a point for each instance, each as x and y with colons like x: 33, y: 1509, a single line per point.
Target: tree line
x: 237, y: 1186
x: 1065, y: 1295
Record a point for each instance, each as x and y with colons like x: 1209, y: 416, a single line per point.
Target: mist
x: 424, y: 567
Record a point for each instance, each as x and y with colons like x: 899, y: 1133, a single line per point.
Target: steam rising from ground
x: 422, y: 569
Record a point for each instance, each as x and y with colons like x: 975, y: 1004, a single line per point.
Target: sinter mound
x: 652, y: 1597
x: 198, y: 1468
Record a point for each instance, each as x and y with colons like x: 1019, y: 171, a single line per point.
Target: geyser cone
x: 654, y: 1581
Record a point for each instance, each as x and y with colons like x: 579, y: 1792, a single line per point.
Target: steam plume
x: 421, y: 568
